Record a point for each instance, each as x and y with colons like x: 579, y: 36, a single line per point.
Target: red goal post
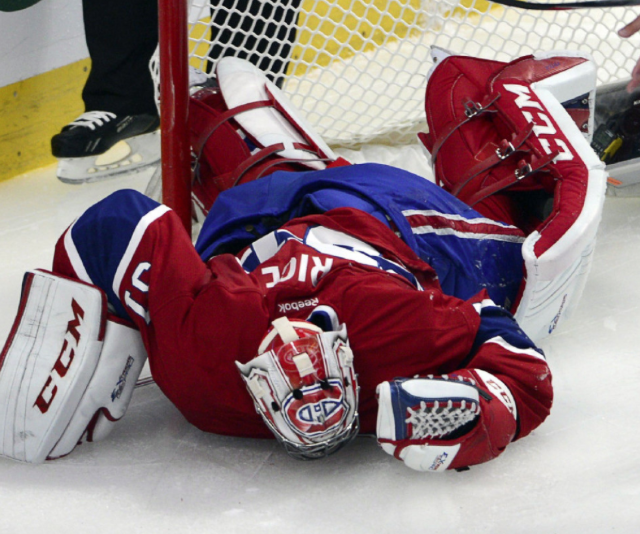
x: 174, y: 91
x: 356, y: 68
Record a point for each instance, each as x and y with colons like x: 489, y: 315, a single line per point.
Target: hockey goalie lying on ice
x: 308, y: 297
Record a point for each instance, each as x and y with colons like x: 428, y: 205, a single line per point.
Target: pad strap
x: 523, y: 170
x: 222, y: 118
x: 472, y: 110
x: 508, y: 149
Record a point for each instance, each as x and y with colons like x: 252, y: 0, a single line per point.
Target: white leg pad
x: 51, y: 365
x: 49, y: 358
x: 242, y: 83
x: 109, y: 392
x: 555, y: 277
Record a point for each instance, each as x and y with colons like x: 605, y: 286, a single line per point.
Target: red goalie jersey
x: 198, y: 318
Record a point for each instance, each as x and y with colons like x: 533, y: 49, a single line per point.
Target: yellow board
x: 478, y: 5
x: 199, y: 41
x: 32, y: 111
x: 330, y: 29
x: 35, y: 109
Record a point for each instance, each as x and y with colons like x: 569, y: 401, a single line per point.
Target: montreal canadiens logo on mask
x: 318, y: 410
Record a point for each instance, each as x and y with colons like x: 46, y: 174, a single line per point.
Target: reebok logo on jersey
x: 298, y: 305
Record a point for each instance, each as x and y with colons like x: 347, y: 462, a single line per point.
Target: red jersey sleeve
x: 397, y: 331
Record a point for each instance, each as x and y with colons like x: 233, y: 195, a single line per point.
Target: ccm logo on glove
x: 63, y: 363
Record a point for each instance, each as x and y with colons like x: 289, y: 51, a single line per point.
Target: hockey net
x: 356, y: 68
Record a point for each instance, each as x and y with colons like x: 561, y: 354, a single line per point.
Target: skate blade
x: 128, y: 156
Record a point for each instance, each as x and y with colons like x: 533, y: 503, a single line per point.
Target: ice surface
x: 579, y: 473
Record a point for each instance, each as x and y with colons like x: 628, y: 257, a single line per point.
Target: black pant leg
x: 121, y: 36
x: 248, y: 35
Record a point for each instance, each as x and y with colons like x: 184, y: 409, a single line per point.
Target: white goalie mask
x: 304, y: 386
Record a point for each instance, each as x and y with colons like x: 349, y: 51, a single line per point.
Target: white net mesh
x: 439, y: 419
x: 356, y: 68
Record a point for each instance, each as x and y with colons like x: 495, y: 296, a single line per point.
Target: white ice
x: 579, y: 473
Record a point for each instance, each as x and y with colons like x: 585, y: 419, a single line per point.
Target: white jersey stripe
x: 453, y: 224
x: 465, y: 235
x: 456, y: 217
x: 74, y: 257
x: 485, y: 303
x: 136, y: 237
x: 499, y: 340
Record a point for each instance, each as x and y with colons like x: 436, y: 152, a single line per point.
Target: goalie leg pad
x: 449, y: 422
x: 51, y: 365
x: 48, y: 360
x: 509, y: 145
x: 246, y: 129
x: 109, y: 392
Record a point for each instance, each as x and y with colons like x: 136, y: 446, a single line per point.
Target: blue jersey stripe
x: 496, y: 322
x: 464, y: 265
x: 102, y: 237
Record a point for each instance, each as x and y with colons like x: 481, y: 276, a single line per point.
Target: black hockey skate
x: 95, y: 132
x: 101, y: 144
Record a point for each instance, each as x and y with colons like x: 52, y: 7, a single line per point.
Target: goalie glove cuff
x: 448, y: 422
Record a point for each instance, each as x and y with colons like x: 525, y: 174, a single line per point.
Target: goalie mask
x: 304, y: 386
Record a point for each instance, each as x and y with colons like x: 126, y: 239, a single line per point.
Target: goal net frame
x: 356, y: 68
